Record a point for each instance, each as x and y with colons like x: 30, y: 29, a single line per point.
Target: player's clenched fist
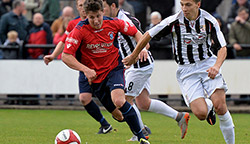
x: 213, y: 71
x: 90, y: 74
x: 47, y: 59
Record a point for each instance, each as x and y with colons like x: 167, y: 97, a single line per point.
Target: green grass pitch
x: 41, y: 127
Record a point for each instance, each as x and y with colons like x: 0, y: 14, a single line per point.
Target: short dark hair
x: 16, y: 3
x: 109, y: 2
x: 93, y: 5
x: 242, y: 8
x: 196, y: 1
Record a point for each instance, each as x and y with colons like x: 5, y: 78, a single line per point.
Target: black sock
x: 132, y: 120
x: 95, y: 112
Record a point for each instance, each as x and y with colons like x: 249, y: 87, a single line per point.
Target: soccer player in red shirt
x: 85, y: 91
x: 97, y: 56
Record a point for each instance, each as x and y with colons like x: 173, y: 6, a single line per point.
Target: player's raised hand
x: 47, y: 59
x: 90, y: 74
x: 143, y: 55
x: 129, y: 60
x: 213, y: 71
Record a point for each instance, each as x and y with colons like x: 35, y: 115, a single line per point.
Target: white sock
x: 209, y: 105
x: 162, y: 108
x: 138, y: 115
x: 227, y: 127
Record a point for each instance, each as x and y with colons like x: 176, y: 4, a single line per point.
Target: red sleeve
x: 73, y: 41
x: 64, y: 37
x: 69, y: 28
x: 127, y: 28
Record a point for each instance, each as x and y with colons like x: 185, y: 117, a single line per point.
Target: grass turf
x: 41, y: 127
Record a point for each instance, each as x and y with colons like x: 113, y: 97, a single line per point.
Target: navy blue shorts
x: 83, y: 84
x: 114, y: 80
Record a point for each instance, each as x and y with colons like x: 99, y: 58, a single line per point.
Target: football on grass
x: 67, y: 136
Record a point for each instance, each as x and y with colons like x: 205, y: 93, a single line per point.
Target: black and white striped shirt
x: 127, y: 43
x: 191, y: 40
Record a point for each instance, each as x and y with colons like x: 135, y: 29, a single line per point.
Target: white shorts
x: 194, y: 81
x: 137, y: 79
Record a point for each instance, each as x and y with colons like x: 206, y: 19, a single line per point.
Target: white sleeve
x: 164, y: 23
x: 156, y: 29
x: 220, y: 35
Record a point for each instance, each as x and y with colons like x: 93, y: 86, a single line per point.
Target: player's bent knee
x: 220, y: 109
x: 200, y: 115
x: 142, y: 106
x: 119, y: 102
x: 85, y: 98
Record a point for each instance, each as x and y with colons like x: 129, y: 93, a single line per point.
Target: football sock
x: 227, y: 127
x: 95, y: 112
x: 132, y: 120
x: 162, y: 108
x: 179, y: 116
x: 138, y: 115
x: 209, y: 105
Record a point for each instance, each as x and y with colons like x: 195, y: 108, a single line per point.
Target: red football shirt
x: 70, y: 27
x: 98, y: 47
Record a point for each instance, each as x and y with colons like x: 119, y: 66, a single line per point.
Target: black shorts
x: 114, y: 80
x: 83, y: 84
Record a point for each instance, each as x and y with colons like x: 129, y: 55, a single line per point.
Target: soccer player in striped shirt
x: 193, y: 30
x: 138, y: 75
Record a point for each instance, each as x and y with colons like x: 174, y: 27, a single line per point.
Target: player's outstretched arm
x: 58, y: 50
x: 143, y: 55
x: 221, y: 56
x: 131, y: 59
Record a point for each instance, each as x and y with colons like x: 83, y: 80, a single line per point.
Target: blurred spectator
x: 66, y: 12
x: 140, y: 8
x: 164, y: 7
x: 32, y: 7
x: 123, y: 4
x: 72, y: 3
x: 239, y: 33
x: 40, y: 33
x: 12, y: 40
x: 234, y: 9
x: 155, y: 18
x: 14, y: 20
x: 50, y: 10
x: 60, y: 33
x: 210, y: 5
x: 159, y: 48
x: 5, y: 6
